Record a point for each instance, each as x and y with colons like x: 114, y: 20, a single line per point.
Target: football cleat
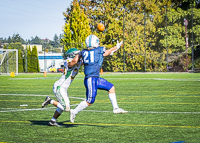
x: 72, y: 116
x: 46, y: 102
x: 119, y: 110
x: 53, y: 123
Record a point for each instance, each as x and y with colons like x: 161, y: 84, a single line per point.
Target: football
x: 100, y: 27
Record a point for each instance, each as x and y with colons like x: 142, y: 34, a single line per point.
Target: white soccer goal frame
x: 10, y: 50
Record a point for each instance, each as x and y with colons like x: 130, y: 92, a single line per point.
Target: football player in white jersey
x: 61, y: 86
x: 93, y: 58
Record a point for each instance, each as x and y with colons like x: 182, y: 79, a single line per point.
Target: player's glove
x: 118, y: 46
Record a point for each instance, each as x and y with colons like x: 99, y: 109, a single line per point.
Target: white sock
x: 51, y: 102
x: 60, y: 106
x: 53, y: 119
x: 82, y: 105
x: 113, y: 100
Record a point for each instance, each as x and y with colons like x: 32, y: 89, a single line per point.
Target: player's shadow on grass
x: 45, y: 123
x: 64, y: 124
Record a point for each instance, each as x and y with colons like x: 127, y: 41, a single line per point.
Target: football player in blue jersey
x: 92, y: 58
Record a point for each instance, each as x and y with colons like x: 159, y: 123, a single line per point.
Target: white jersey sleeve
x: 66, y: 64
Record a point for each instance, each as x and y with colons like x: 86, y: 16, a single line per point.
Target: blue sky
x: 30, y: 18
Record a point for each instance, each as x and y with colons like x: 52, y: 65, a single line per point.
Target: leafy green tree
x: 16, y: 45
x: 76, y: 26
x: 150, y: 30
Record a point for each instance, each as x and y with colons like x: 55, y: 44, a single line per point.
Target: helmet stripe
x: 90, y: 40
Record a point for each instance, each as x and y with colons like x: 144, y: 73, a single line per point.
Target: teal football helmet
x: 71, y: 53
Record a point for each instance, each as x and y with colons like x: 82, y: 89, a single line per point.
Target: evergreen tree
x: 17, y: 38
x: 56, y: 41
x: 35, y: 62
x: 4, y: 46
x: 76, y: 27
x: 29, y: 60
x: 36, y: 40
x: 9, y: 40
x: 20, y: 61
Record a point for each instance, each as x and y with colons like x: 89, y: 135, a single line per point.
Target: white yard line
x: 141, y: 112
x: 81, y: 78
x: 35, y: 109
x: 39, y: 95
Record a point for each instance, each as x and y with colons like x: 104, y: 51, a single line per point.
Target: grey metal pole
x: 7, y: 62
x: 186, y: 41
x: 123, y: 44
x: 16, y: 61
x: 26, y: 59
x: 166, y: 39
x: 192, y: 44
x: 145, y: 40
x: 44, y: 55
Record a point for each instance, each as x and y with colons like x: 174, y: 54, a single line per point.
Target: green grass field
x: 163, y: 108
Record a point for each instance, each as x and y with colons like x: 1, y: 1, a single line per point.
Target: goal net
x: 8, y: 61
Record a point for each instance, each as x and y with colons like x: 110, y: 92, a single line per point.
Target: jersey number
x: 91, y: 57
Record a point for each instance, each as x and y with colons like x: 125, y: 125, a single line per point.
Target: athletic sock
x: 82, y: 105
x: 60, y: 106
x: 113, y: 100
x: 53, y: 119
x: 51, y: 102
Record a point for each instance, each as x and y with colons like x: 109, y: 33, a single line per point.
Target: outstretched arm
x: 112, y: 50
x: 109, y: 51
x: 74, y: 61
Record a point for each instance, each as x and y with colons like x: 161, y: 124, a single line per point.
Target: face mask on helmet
x: 92, y: 41
x: 71, y: 53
